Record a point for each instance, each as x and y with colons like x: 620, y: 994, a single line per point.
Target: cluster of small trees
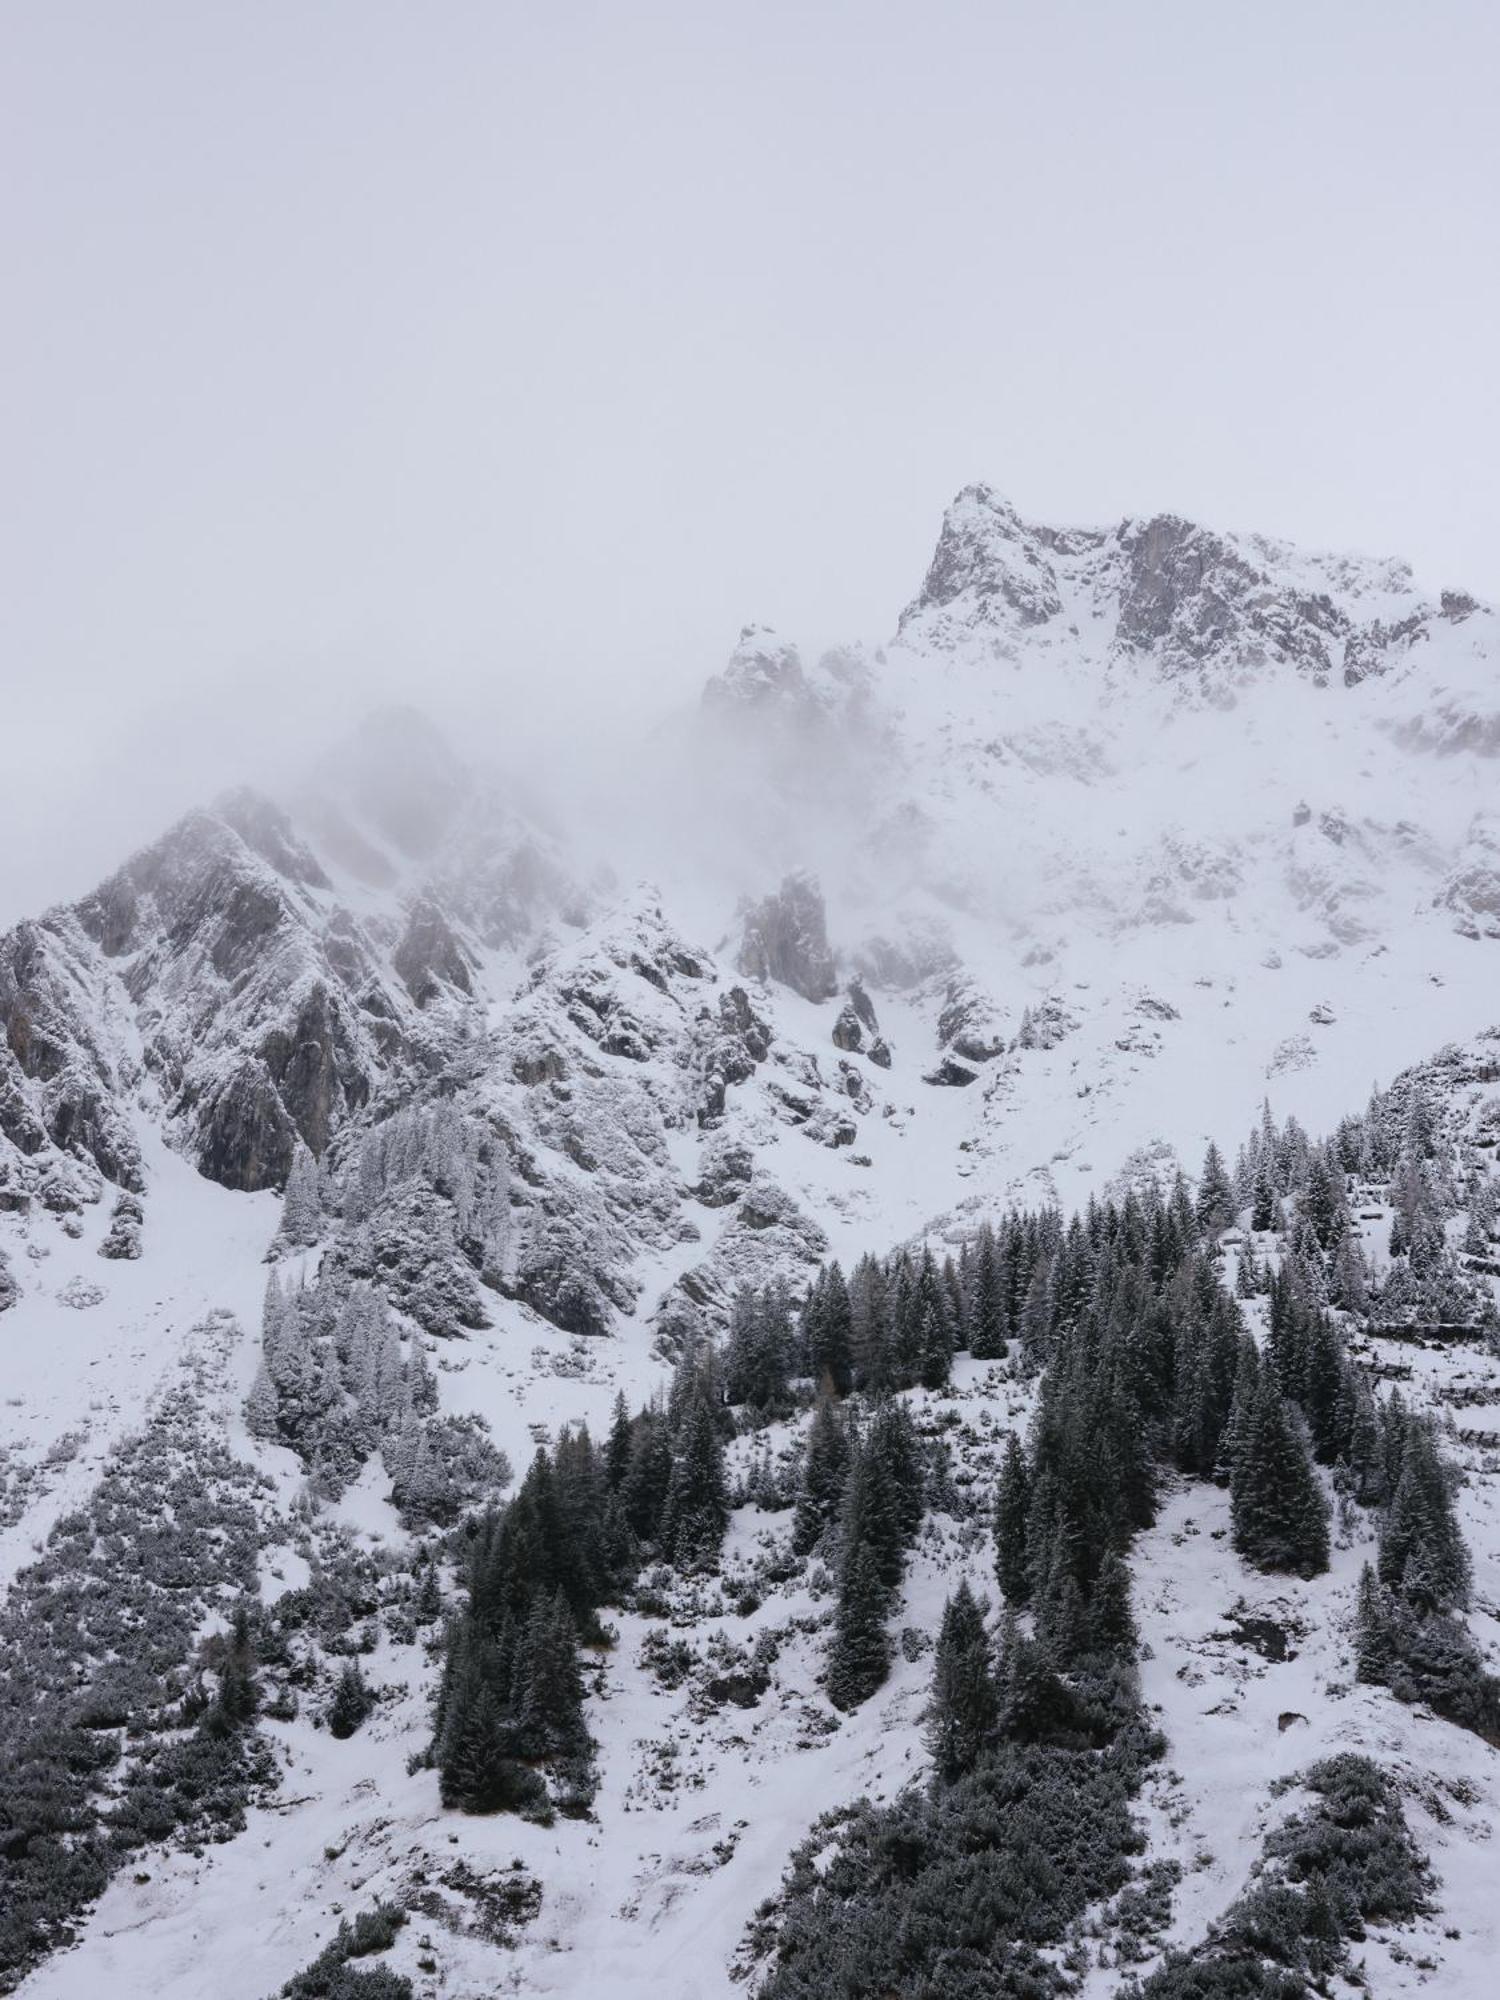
x: 336, y: 1382
x: 969, y: 1884
x: 538, y: 1571
x: 1288, y: 1184
x: 1347, y: 1861
x: 895, y: 1322
x: 1408, y: 1635
x: 419, y: 1203
x: 880, y: 1509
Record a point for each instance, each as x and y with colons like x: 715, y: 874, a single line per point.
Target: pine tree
x: 617, y: 1445
x: 1422, y: 1551
x: 696, y: 1512
x: 1278, y: 1514
x: 987, y: 1328
x: 262, y: 1406
x: 1111, y: 1621
x: 1214, y: 1210
x: 962, y: 1716
x: 1374, y: 1653
x: 549, y: 1691
x: 859, y: 1657
x: 825, y: 1473
x: 301, y: 1207
x: 238, y: 1700
x: 1322, y: 1202
x: 829, y: 1329
x: 1012, y: 1511
x: 648, y: 1475
x: 1035, y: 1705
x: 352, y: 1701
x: 1265, y: 1209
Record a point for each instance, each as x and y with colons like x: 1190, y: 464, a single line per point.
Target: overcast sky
x: 534, y: 348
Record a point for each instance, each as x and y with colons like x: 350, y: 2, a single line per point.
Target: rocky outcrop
x: 62, y: 1070
x: 785, y: 938
x: 1471, y: 890
x: 429, y: 958
x: 1192, y: 599
x: 988, y: 570
x: 970, y: 1026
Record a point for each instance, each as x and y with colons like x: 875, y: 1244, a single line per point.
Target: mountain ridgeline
x: 937, y: 1438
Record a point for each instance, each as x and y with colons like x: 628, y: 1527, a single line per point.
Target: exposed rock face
x: 1472, y: 888
x: 250, y: 988
x: 763, y: 674
x: 1190, y: 596
x: 991, y: 564
x: 1181, y: 599
x: 849, y: 1030
x: 430, y: 957
x: 969, y: 1024
x: 61, y: 1072
x: 786, y: 939
x: 950, y: 1073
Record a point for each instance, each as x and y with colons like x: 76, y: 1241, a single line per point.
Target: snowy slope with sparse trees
x: 871, y: 1368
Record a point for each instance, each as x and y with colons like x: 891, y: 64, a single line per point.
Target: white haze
x: 509, y: 359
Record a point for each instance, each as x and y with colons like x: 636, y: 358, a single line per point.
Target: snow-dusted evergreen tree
x: 352, y: 1701
x: 1278, y: 1514
x: 860, y: 1655
x: 1422, y: 1551
x: 263, y: 1407
x: 302, y: 1204
x: 986, y: 1300
x: 964, y: 1706
x: 696, y: 1512
x: 1215, y: 1207
x: 825, y: 1472
x: 1012, y: 1512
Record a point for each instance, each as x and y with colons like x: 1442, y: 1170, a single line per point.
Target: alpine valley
x: 909, y: 1405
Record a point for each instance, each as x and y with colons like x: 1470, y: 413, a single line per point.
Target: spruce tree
x: 301, y: 1207
x: 830, y: 1334
x: 859, y: 1657
x: 352, y: 1701
x: 1374, y: 1652
x: 1422, y: 1551
x: 1111, y: 1622
x: 1214, y: 1210
x: 548, y: 1690
x: 961, y: 1719
x: 1012, y: 1512
x: 696, y: 1512
x: 1278, y: 1514
x: 987, y: 1325
x: 825, y: 1472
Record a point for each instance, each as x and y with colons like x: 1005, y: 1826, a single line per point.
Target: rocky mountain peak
x: 763, y: 671
x: 988, y: 569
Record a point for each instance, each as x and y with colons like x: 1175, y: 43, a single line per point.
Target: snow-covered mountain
x: 1121, y: 833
